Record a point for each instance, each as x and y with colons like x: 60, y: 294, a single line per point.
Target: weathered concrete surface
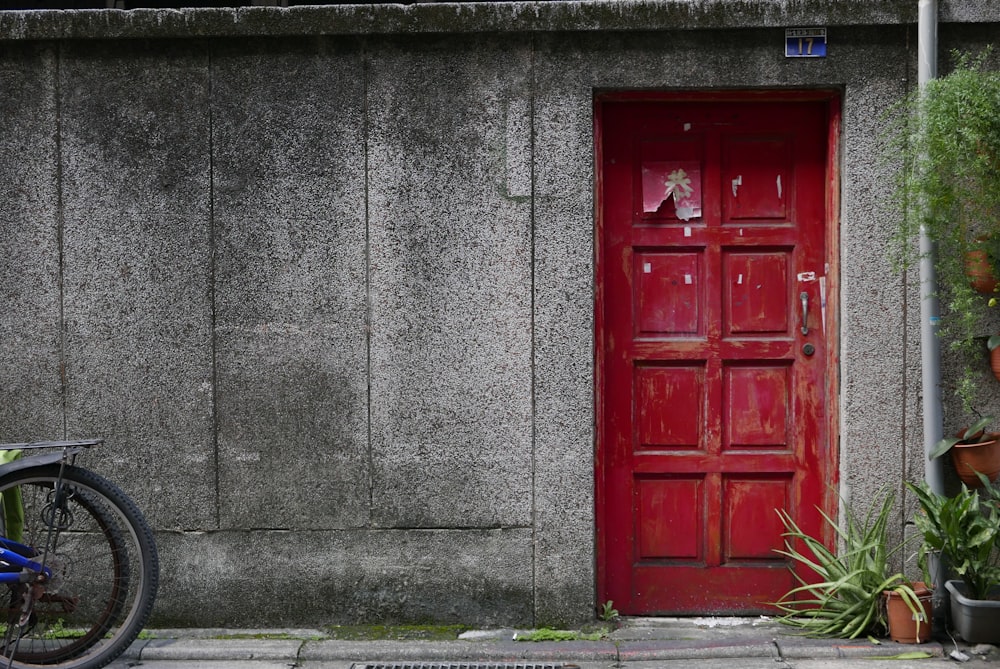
x: 875, y: 392
x: 695, y: 642
x: 450, y: 263
x: 330, y: 298
x: 134, y: 134
x: 290, y: 285
x: 31, y: 392
x: 226, y: 578
x: 563, y: 249
x: 478, y: 17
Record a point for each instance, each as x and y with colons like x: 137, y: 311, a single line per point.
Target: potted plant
x: 973, y: 451
x: 909, y: 610
x: 948, y: 137
x: 993, y: 344
x: 966, y: 533
x: 848, y: 596
x: 981, y: 261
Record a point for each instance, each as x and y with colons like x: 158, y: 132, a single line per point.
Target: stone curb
x: 821, y: 649
x: 642, y: 651
x: 486, y: 651
x: 303, y: 650
x: 218, y: 649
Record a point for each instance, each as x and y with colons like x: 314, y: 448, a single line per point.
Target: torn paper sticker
x: 678, y: 182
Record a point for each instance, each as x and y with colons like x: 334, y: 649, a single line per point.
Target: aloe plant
x: 845, y: 598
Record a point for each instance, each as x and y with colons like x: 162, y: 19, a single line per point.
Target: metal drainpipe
x: 930, y: 350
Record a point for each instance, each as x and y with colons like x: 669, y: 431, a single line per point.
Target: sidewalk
x: 730, y: 643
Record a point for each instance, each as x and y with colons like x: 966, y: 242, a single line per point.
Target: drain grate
x: 461, y: 665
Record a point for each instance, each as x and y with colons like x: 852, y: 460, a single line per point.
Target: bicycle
x: 77, y: 559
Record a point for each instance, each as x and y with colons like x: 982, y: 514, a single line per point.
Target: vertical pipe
x: 930, y: 350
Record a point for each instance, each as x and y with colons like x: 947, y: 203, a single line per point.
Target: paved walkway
x: 702, y: 643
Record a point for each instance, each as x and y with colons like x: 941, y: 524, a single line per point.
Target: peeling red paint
x: 710, y: 413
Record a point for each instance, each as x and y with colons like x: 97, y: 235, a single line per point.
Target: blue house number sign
x: 805, y: 42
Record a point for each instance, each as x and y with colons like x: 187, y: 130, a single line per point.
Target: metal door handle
x: 805, y: 312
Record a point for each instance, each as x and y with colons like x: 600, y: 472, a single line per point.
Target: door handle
x: 804, y: 296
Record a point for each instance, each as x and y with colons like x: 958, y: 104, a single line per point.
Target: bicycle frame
x: 11, y: 555
x: 75, y: 553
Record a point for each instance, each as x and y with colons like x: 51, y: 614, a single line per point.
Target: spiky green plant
x: 845, y: 597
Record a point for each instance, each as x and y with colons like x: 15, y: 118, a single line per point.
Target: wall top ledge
x: 475, y: 17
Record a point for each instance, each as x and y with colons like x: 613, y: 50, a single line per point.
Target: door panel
x: 713, y: 271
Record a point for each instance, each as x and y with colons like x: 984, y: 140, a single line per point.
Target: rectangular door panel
x: 668, y: 410
x: 757, y: 401
x: 668, y: 518
x: 669, y: 293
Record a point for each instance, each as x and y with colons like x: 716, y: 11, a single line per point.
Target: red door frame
x: 832, y: 227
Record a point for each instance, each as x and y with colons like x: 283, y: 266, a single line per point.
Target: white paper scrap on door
x: 678, y: 181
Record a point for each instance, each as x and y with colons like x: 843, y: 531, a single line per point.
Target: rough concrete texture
x: 134, y: 132
x: 563, y: 334
x: 330, y: 298
x: 479, y: 577
x: 290, y: 285
x: 456, y: 17
x: 31, y: 388
x: 700, y: 643
x: 450, y: 263
x: 874, y: 304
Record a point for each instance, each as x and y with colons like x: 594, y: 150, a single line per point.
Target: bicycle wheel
x: 104, y: 564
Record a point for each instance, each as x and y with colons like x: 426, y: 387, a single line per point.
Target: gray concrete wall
x: 324, y: 280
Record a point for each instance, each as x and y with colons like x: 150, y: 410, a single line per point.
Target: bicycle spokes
x: 82, y: 576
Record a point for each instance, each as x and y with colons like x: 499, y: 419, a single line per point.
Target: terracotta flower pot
x: 905, y: 626
x: 995, y: 362
x: 983, y: 457
x: 979, y: 272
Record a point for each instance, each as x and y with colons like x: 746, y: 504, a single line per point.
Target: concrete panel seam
x: 214, y: 344
x: 365, y: 134
x: 60, y: 230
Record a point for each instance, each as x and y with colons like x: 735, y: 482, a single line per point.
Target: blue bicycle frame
x: 12, y: 554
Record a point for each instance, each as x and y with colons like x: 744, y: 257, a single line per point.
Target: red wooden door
x: 713, y: 359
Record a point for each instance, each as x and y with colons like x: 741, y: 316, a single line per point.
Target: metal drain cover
x: 461, y: 665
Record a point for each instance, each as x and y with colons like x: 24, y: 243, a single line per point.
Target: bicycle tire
x: 117, y: 585
x: 106, y: 568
